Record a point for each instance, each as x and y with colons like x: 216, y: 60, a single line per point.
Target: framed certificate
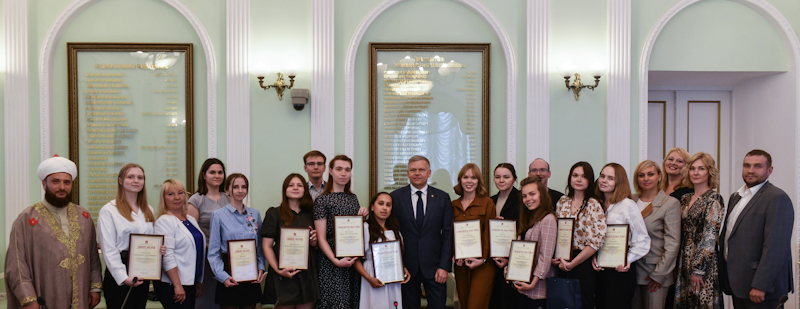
x: 501, y: 233
x: 144, y: 256
x: 467, y: 239
x: 428, y: 98
x: 243, y: 261
x: 294, y: 248
x: 614, y: 251
x: 566, y: 231
x: 348, y: 235
x: 521, y: 261
x: 129, y: 102
x: 387, y: 261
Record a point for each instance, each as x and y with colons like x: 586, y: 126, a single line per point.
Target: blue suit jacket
x: 431, y: 247
x: 759, y: 253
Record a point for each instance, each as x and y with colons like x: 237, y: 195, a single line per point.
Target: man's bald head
x: 539, y: 168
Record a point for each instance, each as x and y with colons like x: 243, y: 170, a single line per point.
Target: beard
x: 51, y: 198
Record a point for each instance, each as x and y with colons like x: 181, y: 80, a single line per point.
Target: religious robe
x: 43, y: 261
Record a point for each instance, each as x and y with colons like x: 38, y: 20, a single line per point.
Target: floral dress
x: 339, y: 287
x: 700, y: 225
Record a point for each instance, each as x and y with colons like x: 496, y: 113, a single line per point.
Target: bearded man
x: 52, y: 256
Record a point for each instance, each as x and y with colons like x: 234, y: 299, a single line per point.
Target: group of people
x: 678, y: 248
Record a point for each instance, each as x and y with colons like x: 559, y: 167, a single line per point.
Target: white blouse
x: 113, y: 236
x: 627, y: 212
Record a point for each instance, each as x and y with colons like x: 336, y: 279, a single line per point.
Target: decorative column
x: 322, y: 77
x: 538, y: 88
x: 618, y: 106
x: 237, y: 47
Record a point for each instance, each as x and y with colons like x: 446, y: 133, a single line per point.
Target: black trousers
x: 587, y: 278
x: 523, y: 302
x: 435, y: 293
x: 614, y: 289
x: 166, y: 291
x: 742, y: 303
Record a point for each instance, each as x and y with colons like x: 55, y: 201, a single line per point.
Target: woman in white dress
x: 381, y: 226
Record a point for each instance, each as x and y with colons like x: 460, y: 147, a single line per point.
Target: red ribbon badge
x: 33, y: 221
x: 86, y: 215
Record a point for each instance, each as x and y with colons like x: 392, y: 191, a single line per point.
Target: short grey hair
x: 419, y: 158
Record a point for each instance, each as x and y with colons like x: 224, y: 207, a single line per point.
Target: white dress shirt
x: 414, y: 199
x: 113, y: 236
x: 746, y: 195
x: 627, y: 212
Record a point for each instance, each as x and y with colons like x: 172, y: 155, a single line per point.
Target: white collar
x: 753, y: 189
x: 414, y: 189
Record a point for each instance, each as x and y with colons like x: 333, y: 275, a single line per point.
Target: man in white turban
x: 52, y: 257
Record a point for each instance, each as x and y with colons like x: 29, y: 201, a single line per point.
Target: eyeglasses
x: 311, y: 164
x: 538, y: 170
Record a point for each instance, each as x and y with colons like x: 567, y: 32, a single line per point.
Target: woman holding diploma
x: 474, y: 278
x: 127, y: 214
x: 290, y: 288
x: 235, y: 222
x: 615, y: 287
x: 537, y: 223
x: 184, y: 260
x: 662, y: 216
x: 702, y: 212
x: 381, y: 226
x: 589, y: 229
x: 507, y: 206
x: 340, y: 284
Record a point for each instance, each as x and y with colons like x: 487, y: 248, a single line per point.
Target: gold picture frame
x: 163, y: 64
x: 467, y: 92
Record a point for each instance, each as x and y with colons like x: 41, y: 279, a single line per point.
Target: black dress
x: 303, y: 288
x: 504, y: 295
x: 339, y: 287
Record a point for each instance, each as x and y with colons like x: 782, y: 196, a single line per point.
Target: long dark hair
x: 201, y: 181
x: 329, y: 186
x: 306, y: 202
x: 589, y: 173
x: 527, y: 217
x: 375, y: 230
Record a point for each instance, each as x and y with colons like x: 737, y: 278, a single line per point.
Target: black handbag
x: 563, y: 293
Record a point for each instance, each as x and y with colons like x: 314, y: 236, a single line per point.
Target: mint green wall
x: 718, y: 35
x: 279, y: 135
x: 577, y: 128
x: 2, y: 139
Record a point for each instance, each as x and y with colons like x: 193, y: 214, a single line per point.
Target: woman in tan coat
x: 662, y: 216
x: 474, y: 277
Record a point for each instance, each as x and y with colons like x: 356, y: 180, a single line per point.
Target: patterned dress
x: 339, y: 287
x: 700, y: 224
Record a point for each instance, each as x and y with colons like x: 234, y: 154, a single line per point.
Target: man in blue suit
x: 426, y: 222
x: 754, y: 247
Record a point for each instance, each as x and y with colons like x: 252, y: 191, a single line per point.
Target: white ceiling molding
x: 16, y: 112
x: 538, y: 86
x: 237, y: 46
x: 618, y: 103
x: 323, y: 80
x: 789, y: 37
x: 508, y: 53
x: 47, y: 58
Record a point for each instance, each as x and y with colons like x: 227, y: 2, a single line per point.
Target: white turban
x: 56, y: 165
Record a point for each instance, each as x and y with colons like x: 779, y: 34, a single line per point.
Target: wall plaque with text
x: 429, y: 99
x: 129, y: 103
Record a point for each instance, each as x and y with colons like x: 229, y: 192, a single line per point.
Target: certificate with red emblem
x: 242, y: 258
x: 294, y: 248
x: 348, y: 234
x: 144, y: 256
x: 467, y: 239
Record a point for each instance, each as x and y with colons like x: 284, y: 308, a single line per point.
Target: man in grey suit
x: 754, y: 247
x: 426, y: 222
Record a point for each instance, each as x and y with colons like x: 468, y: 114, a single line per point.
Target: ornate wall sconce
x: 576, y: 85
x: 279, y: 85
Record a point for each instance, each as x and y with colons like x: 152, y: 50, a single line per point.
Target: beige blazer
x: 664, y: 227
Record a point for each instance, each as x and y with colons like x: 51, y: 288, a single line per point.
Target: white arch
x: 511, y: 74
x: 47, y: 58
x: 785, y: 30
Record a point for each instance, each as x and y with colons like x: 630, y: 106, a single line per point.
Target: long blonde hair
x: 141, y: 198
x: 711, y: 166
x: 162, y: 202
x: 681, y: 152
x: 639, y: 168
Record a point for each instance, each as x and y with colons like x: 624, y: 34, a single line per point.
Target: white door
x: 693, y: 120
